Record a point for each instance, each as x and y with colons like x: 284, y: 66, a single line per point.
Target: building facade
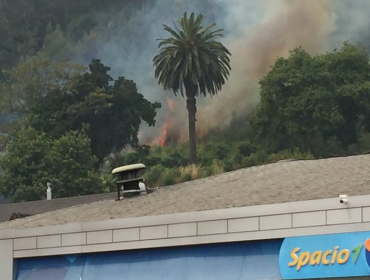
x: 279, y: 241
x: 315, y: 236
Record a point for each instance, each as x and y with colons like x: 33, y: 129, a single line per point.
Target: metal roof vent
x: 130, y: 180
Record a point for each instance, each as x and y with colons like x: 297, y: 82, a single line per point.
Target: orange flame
x: 163, y: 137
x: 170, y: 104
x: 168, y: 123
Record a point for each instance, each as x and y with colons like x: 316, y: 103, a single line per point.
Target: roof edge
x: 188, y: 217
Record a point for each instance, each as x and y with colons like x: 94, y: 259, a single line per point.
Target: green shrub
x: 153, y: 174
x: 207, y: 171
x: 362, y: 147
x: 186, y: 177
x: 152, y: 160
x: 229, y: 165
x: 109, y: 182
x: 286, y: 155
x: 245, y: 148
x: 221, y: 151
x: 174, y: 159
x: 168, y: 180
x: 170, y: 176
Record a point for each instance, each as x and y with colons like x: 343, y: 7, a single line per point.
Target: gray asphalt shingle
x: 273, y: 183
x: 42, y: 206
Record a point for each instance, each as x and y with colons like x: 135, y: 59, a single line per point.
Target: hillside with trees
x: 69, y: 118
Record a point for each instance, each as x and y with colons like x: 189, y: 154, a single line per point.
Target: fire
x: 163, y: 137
x: 174, y: 127
x: 170, y: 104
x: 168, y: 124
x: 171, y: 129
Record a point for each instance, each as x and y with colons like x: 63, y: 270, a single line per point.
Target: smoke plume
x: 256, y: 33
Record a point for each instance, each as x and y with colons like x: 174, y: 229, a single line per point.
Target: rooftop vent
x: 130, y: 180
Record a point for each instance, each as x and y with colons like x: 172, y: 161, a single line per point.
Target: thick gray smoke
x: 256, y: 33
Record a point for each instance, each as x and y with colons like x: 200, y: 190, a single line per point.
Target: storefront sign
x: 325, y: 256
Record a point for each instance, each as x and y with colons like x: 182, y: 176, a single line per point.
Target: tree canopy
x: 33, y: 159
x: 191, y: 57
x: 58, y: 97
x: 307, y: 100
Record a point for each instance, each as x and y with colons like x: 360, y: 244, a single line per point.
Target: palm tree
x: 193, y: 60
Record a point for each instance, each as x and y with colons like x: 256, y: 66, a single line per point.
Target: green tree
x: 56, y: 97
x: 311, y: 102
x: 56, y: 46
x: 36, y: 92
x: 71, y: 166
x: 113, y: 110
x: 20, y: 37
x: 23, y: 165
x: 33, y: 159
x: 193, y: 60
x: 32, y: 83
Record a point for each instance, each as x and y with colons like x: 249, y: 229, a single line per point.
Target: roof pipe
x: 49, y: 191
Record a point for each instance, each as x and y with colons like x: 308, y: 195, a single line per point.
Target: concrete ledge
x: 344, y: 216
x: 25, y: 243
x: 212, y: 227
x: 201, y: 216
x: 156, y: 232
x: 206, y: 239
x: 74, y: 239
x: 49, y: 241
x: 243, y: 224
x: 276, y: 222
x: 182, y: 230
x: 309, y: 219
x: 366, y: 214
x: 228, y: 225
x: 97, y: 237
x: 129, y: 234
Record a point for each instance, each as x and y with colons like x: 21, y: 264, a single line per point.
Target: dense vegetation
x: 35, y: 159
x: 66, y: 119
x: 311, y: 107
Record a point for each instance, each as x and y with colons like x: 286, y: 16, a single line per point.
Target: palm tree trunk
x: 192, y: 109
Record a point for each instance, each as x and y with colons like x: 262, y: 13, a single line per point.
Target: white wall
x: 6, y: 259
x: 225, y: 225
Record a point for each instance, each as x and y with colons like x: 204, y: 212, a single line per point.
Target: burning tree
x: 193, y: 60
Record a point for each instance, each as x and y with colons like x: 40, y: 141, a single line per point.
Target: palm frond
x: 192, y: 55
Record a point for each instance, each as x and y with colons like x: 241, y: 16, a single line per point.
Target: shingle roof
x: 273, y: 183
x: 42, y: 206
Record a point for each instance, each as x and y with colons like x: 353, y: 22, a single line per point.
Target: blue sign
x: 325, y: 256
x: 231, y: 261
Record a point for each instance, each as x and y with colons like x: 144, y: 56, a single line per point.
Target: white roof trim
x: 128, y: 168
